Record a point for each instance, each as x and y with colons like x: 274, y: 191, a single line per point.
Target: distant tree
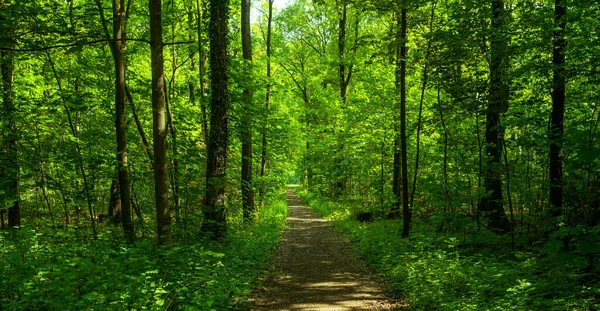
x: 247, y: 184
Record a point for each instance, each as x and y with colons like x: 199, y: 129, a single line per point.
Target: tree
x: 401, y: 70
x: 161, y: 190
x: 216, y: 162
x: 247, y: 184
x: 263, y: 160
x: 558, y: 108
x: 10, y: 167
x: 491, y: 205
x: 119, y: 44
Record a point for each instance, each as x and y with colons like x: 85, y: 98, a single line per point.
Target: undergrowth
x: 457, y: 271
x: 49, y: 270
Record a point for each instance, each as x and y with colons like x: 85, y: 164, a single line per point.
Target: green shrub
x: 49, y: 270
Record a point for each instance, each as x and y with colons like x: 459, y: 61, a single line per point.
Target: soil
x: 315, y: 269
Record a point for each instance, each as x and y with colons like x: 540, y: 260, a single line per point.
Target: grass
x: 457, y: 271
x: 51, y: 269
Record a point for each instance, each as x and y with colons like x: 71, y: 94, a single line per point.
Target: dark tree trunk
x: 216, y: 162
x: 263, y: 160
x: 558, y: 108
x: 118, y: 18
x: 491, y: 205
x: 401, y: 61
x: 10, y: 169
x: 247, y: 187
x: 161, y: 187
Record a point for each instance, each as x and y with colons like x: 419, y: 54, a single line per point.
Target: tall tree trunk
x: 420, y: 118
x: 401, y: 61
x: 216, y: 162
x: 247, y: 185
x: 201, y: 69
x: 491, y: 205
x: 342, y: 8
x: 175, y: 170
x: 161, y: 190
x: 263, y: 160
x: 118, y: 17
x: 10, y: 169
x: 558, y: 108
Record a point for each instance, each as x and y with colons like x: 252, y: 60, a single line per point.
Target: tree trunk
x: 201, y: 69
x: 118, y: 17
x: 175, y: 170
x: 161, y: 190
x: 401, y: 61
x: 10, y: 168
x: 340, y: 185
x: 558, y: 108
x: 247, y: 185
x: 216, y: 162
x: 491, y: 205
x: 263, y: 161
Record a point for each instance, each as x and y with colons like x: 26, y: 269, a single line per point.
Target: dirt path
x: 316, y: 270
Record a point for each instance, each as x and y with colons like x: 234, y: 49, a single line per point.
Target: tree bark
x: 263, y: 160
x: 558, y: 108
x: 10, y: 169
x: 246, y: 132
x: 491, y: 205
x: 216, y: 162
x: 161, y: 190
x: 118, y: 17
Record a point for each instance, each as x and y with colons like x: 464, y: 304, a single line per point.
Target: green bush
x: 438, y: 271
x: 49, y: 270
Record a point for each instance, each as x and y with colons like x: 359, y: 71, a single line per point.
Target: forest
x: 147, y: 148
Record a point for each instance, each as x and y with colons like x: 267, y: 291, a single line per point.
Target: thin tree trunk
x: 420, y: 118
x: 161, y: 190
x: 263, y: 160
x: 558, y: 108
x: 138, y: 124
x: 175, y: 181
x: 74, y: 131
x: 118, y: 17
x: 9, y: 144
x: 201, y: 68
x: 401, y: 62
x: 43, y: 173
x: 340, y: 185
x: 216, y: 162
x: 246, y: 132
x: 508, y: 194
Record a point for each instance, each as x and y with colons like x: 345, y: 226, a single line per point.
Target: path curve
x: 316, y: 270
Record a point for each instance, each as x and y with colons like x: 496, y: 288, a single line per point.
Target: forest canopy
x: 132, y: 123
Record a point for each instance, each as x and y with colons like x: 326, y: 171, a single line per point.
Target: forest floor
x: 315, y: 269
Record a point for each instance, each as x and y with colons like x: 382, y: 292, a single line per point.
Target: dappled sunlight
x: 317, y: 269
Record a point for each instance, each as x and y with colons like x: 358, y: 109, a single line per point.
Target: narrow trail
x: 316, y: 270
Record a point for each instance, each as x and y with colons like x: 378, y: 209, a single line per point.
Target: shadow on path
x: 316, y: 270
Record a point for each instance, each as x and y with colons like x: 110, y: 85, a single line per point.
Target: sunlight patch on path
x: 316, y: 270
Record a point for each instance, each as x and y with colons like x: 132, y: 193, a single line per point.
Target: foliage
x: 57, y: 269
